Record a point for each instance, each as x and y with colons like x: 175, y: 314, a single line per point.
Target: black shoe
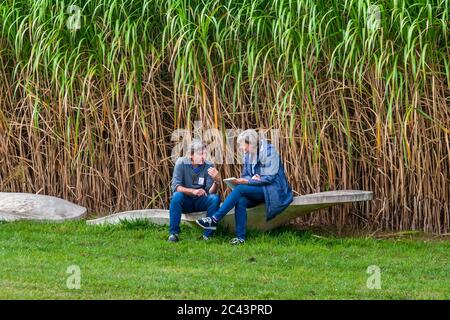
x: 207, y: 223
x: 237, y: 241
x: 173, y: 238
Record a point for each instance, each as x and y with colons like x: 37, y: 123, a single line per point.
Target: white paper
x: 228, y: 182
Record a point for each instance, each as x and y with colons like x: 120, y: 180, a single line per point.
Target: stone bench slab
x: 256, y: 217
x: 28, y: 206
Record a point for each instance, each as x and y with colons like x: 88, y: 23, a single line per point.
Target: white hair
x: 249, y: 136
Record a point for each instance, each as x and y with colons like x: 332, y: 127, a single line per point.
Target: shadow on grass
x: 286, y: 234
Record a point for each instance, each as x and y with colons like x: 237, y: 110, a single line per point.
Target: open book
x: 228, y: 182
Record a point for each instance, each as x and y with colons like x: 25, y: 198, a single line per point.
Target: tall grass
x: 87, y: 114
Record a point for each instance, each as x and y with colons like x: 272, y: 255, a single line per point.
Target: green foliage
x: 361, y: 103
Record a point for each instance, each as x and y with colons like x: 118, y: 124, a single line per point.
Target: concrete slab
x: 256, y: 217
x: 28, y: 206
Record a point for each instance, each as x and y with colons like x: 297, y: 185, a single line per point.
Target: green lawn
x: 134, y: 261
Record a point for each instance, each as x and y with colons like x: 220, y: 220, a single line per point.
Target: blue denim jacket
x: 268, y: 165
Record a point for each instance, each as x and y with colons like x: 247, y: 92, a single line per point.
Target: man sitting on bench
x: 194, y: 186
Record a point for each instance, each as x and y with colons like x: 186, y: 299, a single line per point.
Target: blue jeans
x: 242, y: 197
x: 181, y: 203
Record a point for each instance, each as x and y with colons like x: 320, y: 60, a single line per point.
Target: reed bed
x: 359, y: 91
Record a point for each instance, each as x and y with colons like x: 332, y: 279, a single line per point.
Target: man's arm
x: 190, y: 191
x: 212, y: 180
x: 214, y: 188
x: 177, y: 178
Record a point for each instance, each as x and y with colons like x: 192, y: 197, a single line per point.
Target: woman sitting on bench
x: 262, y: 180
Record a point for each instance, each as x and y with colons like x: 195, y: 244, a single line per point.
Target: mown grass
x: 134, y: 261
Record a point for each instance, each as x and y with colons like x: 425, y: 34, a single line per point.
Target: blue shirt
x: 188, y: 176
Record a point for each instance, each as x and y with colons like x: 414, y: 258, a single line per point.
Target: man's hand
x: 199, y: 192
x: 240, y: 181
x: 256, y: 177
x: 214, y: 174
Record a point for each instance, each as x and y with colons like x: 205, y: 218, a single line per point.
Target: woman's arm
x: 269, y: 160
x: 245, y: 174
x: 263, y: 180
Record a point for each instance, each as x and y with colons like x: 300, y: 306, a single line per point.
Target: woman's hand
x: 256, y: 177
x: 240, y: 181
